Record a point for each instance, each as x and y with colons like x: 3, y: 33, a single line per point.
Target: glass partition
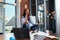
x: 44, y: 10
x: 41, y: 14
x: 38, y: 9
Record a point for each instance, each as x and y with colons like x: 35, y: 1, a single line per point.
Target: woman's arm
x: 24, y: 21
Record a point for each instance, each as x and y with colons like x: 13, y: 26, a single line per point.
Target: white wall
x: 57, y: 6
x: 18, y: 14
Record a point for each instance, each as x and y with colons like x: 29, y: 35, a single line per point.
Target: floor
x: 1, y: 37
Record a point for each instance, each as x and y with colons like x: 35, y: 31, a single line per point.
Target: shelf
x: 40, y: 2
x: 41, y: 10
x: 33, y: 5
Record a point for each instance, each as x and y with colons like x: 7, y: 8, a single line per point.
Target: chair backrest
x: 18, y: 32
x: 21, y: 33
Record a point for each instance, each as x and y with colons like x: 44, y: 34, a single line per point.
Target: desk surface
x: 40, y: 33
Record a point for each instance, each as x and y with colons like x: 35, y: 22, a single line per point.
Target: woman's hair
x: 24, y: 13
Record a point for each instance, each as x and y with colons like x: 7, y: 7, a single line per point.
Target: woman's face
x: 27, y: 12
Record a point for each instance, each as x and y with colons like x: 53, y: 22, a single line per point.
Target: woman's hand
x: 26, y: 21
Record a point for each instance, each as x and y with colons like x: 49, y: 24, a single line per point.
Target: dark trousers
x: 25, y: 31
x: 35, y: 27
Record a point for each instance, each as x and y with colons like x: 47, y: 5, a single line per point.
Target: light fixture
x: 20, y: 1
x: 47, y: 16
x: 0, y: 0
x: 47, y: 12
x: 53, y: 12
x: 51, y: 17
x: 25, y: 6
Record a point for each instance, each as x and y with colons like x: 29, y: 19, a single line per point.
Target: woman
x: 26, y: 22
x: 25, y: 18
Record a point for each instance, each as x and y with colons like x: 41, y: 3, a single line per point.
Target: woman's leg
x: 35, y: 27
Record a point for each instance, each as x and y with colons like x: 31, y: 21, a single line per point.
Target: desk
x: 33, y: 36
x: 40, y: 36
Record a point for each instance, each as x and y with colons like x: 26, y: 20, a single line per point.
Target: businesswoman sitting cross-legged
x: 26, y: 22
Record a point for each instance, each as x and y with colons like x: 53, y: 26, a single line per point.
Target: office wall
x: 19, y: 10
x: 57, y: 6
x: 22, y: 6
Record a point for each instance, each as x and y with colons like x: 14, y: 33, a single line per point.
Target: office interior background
x: 46, y: 12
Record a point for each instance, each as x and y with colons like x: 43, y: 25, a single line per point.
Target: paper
x: 33, y: 19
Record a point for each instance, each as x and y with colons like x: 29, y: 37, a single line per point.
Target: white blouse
x: 29, y: 23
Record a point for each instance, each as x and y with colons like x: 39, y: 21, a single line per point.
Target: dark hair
x: 24, y: 13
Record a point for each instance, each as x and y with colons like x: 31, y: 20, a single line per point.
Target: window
x: 10, y: 1
x: 9, y: 15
